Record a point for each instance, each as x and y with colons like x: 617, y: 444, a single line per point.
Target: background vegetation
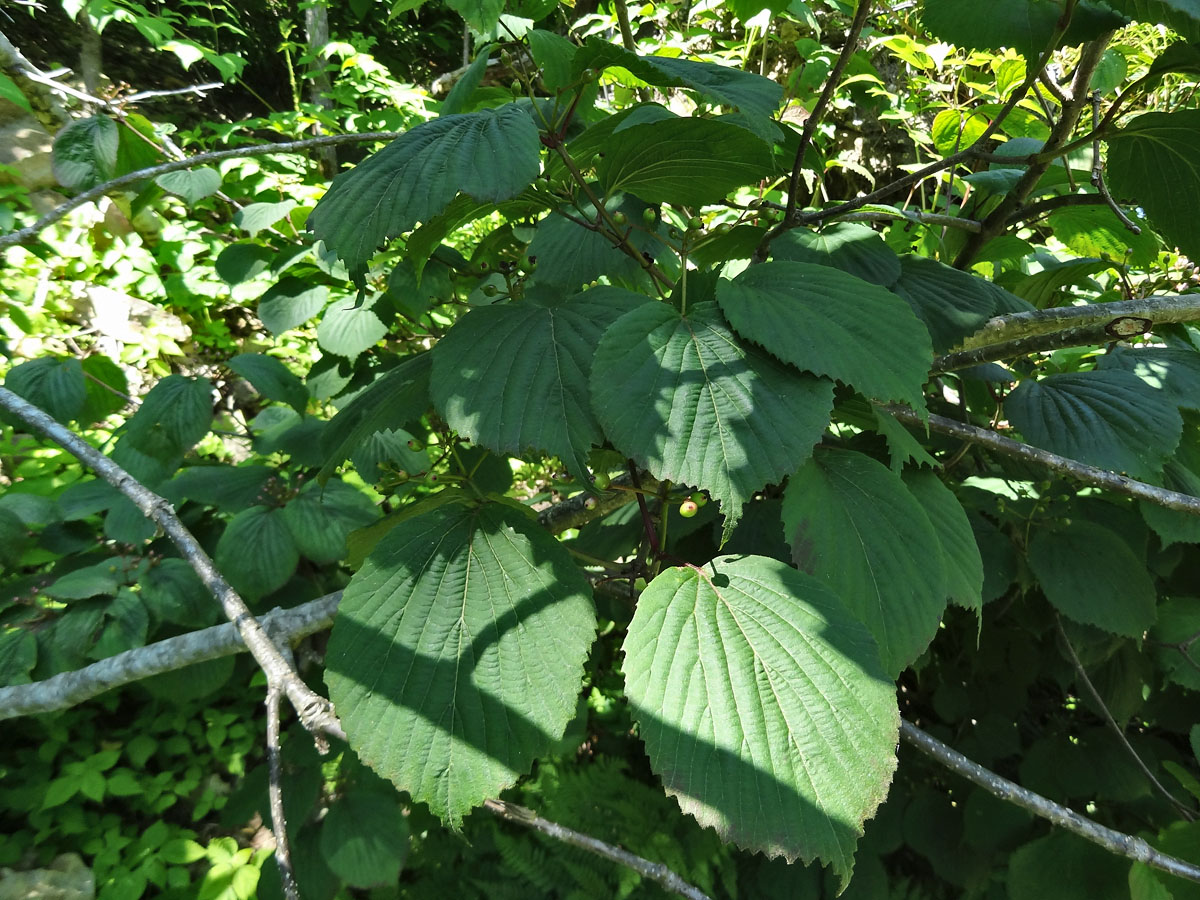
x: 693, y: 400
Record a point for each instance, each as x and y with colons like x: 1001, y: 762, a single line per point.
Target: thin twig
x: 511, y: 812
x: 1033, y: 210
x: 313, y: 709
x: 1118, y: 484
x: 1098, y: 169
x: 1080, y: 336
x: 1184, y: 809
x: 30, y: 232
x: 1114, y: 841
x: 283, y: 852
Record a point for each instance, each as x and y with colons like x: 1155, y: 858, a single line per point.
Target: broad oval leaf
x: 731, y: 86
x: 1092, y: 576
x: 685, y: 161
x: 55, y: 385
x: 854, y: 525
x: 515, y: 376
x: 964, y: 565
x: 458, y: 651
x: 1095, y: 231
x: 174, y: 415
x: 763, y: 706
x: 193, y: 185
x: 952, y: 304
x: 828, y: 322
x: 272, y: 379
x: 291, y: 302
x: 256, y: 552
x: 321, y: 517
x: 1173, y: 369
x: 1025, y: 25
x: 848, y: 246
x: 686, y: 399
x: 1155, y: 161
x: 349, y: 329
x: 491, y: 155
x: 1110, y: 418
x: 393, y: 400
x: 85, y: 152
x: 364, y: 837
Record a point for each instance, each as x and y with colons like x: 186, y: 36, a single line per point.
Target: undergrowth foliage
x: 668, y: 459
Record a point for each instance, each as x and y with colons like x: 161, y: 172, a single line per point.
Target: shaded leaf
x: 763, y: 706
x: 687, y: 400
x: 257, y: 553
x: 349, y: 329
x: 514, y: 377
x: 491, y: 155
x: 1155, y: 162
x: 291, y: 302
x: 848, y: 246
x: 828, y: 322
x: 320, y: 518
x: 1111, y: 419
x: 272, y: 379
x: 964, y: 566
x: 364, y: 837
x: 685, y: 160
x: 458, y: 650
x: 55, y: 385
x: 854, y: 525
x: 1092, y: 576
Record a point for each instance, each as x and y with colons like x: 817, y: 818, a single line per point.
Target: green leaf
x: 686, y: 161
x: 571, y: 256
x: 1154, y: 161
x: 174, y: 415
x: 125, y: 628
x: 228, y: 488
x: 854, y: 525
x: 491, y: 155
x: 319, y: 518
x: 1180, y: 473
x: 686, y: 399
x: 85, y: 152
x: 242, y: 261
x: 1096, y: 231
x: 18, y: 656
x: 458, y: 651
x: 730, y: 86
x: 964, y: 566
x: 258, y: 216
x: 56, y: 386
x: 364, y: 838
x: 13, y: 94
x: 954, y: 129
x: 349, y: 330
x: 291, y: 302
x: 105, y: 386
x: 174, y: 593
x: 482, y: 15
x: 1182, y: 16
x: 1025, y: 25
x: 396, y: 398
x: 193, y: 185
x: 14, y: 539
x: 827, y: 322
x: 1077, y: 869
x: 257, y: 553
x: 952, y: 304
x: 272, y: 379
x: 763, y: 706
x: 457, y: 99
x: 1111, y: 419
x: 553, y: 54
x: 1092, y: 576
x: 848, y: 246
x: 514, y: 377
x: 1174, y: 370
x: 89, y: 581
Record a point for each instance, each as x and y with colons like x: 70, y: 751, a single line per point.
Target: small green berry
x: 723, y: 228
x: 695, y: 223
x: 490, y: 290
x: 601, y: 479
x: 590, y: 503
x: 619, y: 218
x: 699, y: 498
x: 688, y: 508
x: 649, y: 216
